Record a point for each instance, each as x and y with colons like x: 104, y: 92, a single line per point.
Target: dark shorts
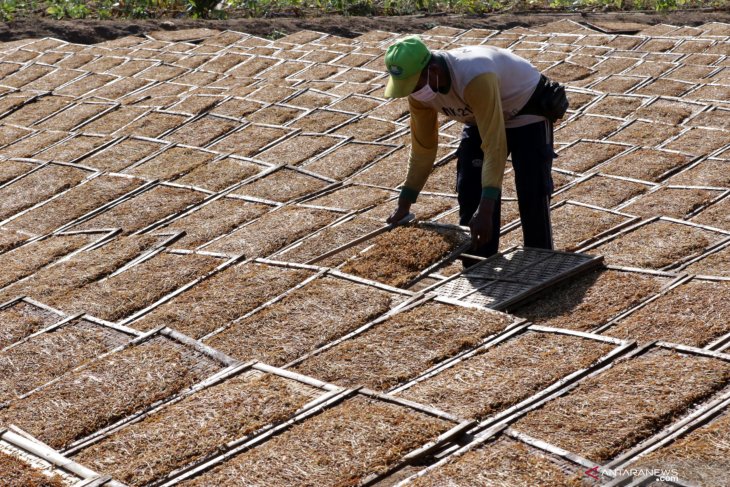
x: 531, y: 147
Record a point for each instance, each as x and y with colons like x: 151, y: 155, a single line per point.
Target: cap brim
x: 398, y: 88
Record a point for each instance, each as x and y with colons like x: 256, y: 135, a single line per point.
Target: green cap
x: 404, y: 61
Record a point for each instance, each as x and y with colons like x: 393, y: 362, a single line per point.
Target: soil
x: 690, y: 314
x: 701, y: 456
x: 656, y: 245
x: 22, y: 320
x: 282, y: 186
x: 172, y: 163
x: 145, y: 209
x: 344, y: 161
x: 340, y: 446
x: 122, y: 155
x: 75, y: 203
x: 402, y: 347
x: 81, y: 269
x: 710, y: 172
x: 27, y: 259
x: 213, y: 220
x: 221, y: 298
x: 196, y: 427
x: 44, y: 357
x: 121, y: 295
x: 250, y: 140
x: 17, y: 473
x: 615, y: 410
x: 716, y: 264
x: 401, y: 254
x: 303, y: 321
x: 353, y: 198
x: 591, y: 300
x: 273, y: 231
x: 510, y: 463
x: 331, y: 238
x: 93, y: 31
x: 108, y: 390
x: 602, y: 191
x: 672, y: 202
x: 585, y: 155
x: 502, y: 376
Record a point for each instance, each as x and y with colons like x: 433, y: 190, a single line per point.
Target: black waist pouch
x: 548, y: 100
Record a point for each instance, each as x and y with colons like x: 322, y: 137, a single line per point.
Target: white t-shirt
x: 517, y: 82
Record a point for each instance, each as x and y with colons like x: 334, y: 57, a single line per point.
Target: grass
x: 196, y: 427
x: 107, y: 390
x: 19, y: 473
x: 626, y: 404
x: 340, y: 446
x: 139, y: 9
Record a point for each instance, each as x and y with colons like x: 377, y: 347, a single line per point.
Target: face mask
x: 426, y: 94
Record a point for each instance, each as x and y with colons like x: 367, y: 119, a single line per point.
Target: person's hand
x: 404, y: 207
x: 481, y: 224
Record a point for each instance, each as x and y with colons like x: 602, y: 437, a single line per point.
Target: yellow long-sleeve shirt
x: 476, y: 97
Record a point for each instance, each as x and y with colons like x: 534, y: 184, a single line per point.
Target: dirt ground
x: 93, y: 31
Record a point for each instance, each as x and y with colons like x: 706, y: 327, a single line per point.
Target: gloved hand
x: 481, y: 224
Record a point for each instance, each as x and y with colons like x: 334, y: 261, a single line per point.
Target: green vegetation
x: 105, y: 9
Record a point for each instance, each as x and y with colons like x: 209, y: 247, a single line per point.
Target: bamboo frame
x: 19, y: 444
x: 335, y: 399
x: 327, y: 392
x: 536, y: 400
x: 630, y: 220
x: 722, y: 233
x: 565, y: 459
x: 185, y: 287
x: 636, y: 352
x: 221, y: 360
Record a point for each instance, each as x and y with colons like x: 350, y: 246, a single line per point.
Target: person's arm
x: 424, y: 145
x: 482, y: 95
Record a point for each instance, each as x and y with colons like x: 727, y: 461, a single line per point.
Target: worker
x: 507, y: 106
